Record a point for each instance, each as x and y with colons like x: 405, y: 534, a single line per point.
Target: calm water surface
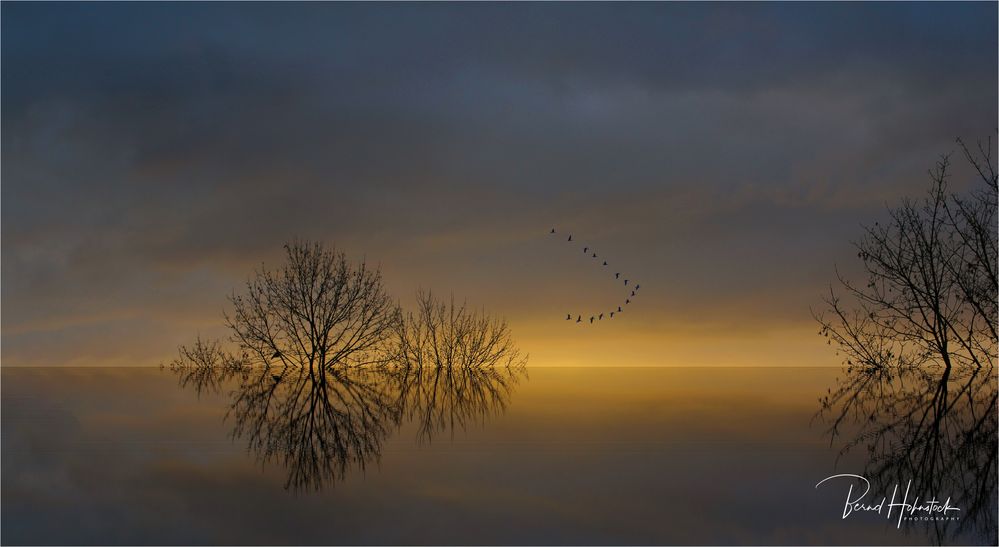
x: 560, y: 455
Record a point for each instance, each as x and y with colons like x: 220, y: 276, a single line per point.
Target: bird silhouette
x: 594, y: 255
x: 591, y: 319
x: 605, y: 262
x: 579, y: 319
x: 619, y: 308
x: 568, y: 316
x: 626, y: 301
x: 632, y: 293
x: 586, y: 249
x: 612, y: 315
x: 626, y: 282
x: 553, y: 230
x: 601, y: 317
x: 637, y: 287
x: 570, y: 237
x: 617, y: 275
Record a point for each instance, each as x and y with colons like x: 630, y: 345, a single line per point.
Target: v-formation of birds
x: 617, y: 276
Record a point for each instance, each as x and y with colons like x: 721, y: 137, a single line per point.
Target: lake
x: 543, y: 456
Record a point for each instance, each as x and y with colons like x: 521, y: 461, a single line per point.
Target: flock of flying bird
x: 617, y: 276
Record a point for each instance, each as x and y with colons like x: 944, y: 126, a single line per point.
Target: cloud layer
x: 723, y: 153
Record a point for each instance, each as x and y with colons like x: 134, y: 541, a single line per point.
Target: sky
x: 721, y: 155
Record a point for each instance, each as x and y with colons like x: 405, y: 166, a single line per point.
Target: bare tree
x: 929, y: 297
x: 919, y: 338
x: 445, y: 334
x: 316, y: 311
x: 206, y: 366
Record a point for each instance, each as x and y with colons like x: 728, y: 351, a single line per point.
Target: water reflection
x: 447, y: 399
x: 445, y: 367
x: 638, y: 456
x: 935, y: 427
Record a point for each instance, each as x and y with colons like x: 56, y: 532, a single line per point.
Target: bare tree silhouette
x: 918, y: 337
x: 206, y: 366
x: 445, y: 334
x: 930, y: 295
x: 316, y: 311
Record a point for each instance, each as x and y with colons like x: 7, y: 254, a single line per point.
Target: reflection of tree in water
x: 919, y: 338
x: 936, y: 429
x: 321, y: 424
x: 317, y: 424
x: 443, y: 399
x: 443, y: 368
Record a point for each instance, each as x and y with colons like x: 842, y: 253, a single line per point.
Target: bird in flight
x: 612, y: 315
x: 637, y: 287
x: 605, y: 262
x: 601, y: 317
x: 586, y: 249
x: 568, y: 316
x: 626, y: 282
x: 579, y: 318
x: 594, y: 255
x: 632, y: 293
x: 617, y: 275
x: 619, y: 308
x: 570, y: 237
x: 591, y: 319
x: 553, y: 230
x: 626, y: 301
